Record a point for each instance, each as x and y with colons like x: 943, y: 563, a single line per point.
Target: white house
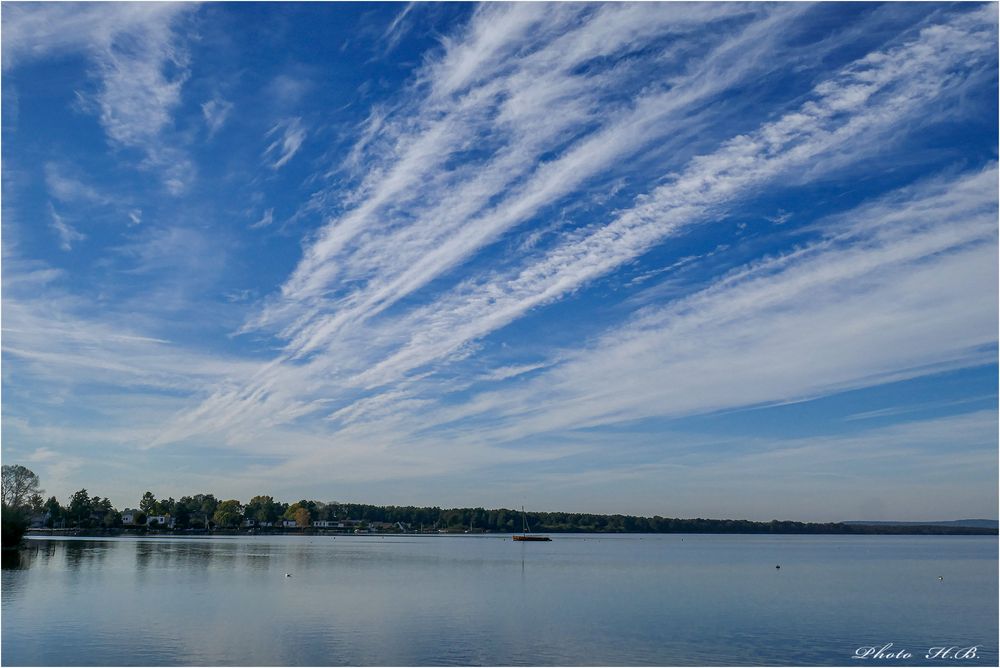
x: 128, y: 516
x: 250, y: 522
x: 161, y: 521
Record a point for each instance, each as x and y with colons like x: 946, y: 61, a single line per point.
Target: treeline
x: 19, y: 490
x: 24, y: 500
x: 205, y: 511
x: 510, y: 521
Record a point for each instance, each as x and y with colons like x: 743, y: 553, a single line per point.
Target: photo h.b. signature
x: 889, y: 652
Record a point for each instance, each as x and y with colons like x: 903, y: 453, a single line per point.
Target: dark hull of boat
x: 532, y: 538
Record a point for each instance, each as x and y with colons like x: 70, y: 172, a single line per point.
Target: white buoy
x: 288, y: 575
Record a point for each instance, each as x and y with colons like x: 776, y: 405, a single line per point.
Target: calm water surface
x: 484, y: 600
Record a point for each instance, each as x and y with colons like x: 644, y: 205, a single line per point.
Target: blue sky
x: 717, y: 260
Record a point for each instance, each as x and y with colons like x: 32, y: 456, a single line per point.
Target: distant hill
x: 972, y: 524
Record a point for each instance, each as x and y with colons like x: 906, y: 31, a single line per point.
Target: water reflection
x: 44, y: 550
x: 16, y: 559
x: 84, y: 554
x: 23, y: 557
x: 144, y: 553
x: 442, y: 601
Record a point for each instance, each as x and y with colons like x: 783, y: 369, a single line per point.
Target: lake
x: 486, y: 600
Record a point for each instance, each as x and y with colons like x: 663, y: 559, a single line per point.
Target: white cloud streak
x: 416, y: 215
x: 69, y: 189
x: 36, y: 31
x: 916, y: 470
x: 266, y: 219
x: 136, y: 60
x: 866, y: 99
x: 396, y: 30
x: 291, y: 134
x: 58, y: 346
x: 215, y: 112
x: 68, y: 235
x: 420, y: 221
x: 876, y: 301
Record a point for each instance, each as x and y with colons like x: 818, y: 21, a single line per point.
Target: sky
x: 693, y: 260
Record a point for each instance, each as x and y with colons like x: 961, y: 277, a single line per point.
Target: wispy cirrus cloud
x: 512, y: 371
x: 265, y: 220
x: 397, y: 29
x: 34, y: 32
x: 872, y: 302
x: 879, y: 90
x: 917, y: 408
x: 68, y: 235
x: 137, y: 62
x: 56, y: 343
x: 345, y: 344
x: 68, y: 188
x: 432, y: 216
x: 216, y: 111
x: 832, y: 477
x: 290, y: 134
x: 288, y: 90
x: 90, y: 374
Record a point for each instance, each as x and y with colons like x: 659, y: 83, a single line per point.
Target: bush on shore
x: 14, y: 525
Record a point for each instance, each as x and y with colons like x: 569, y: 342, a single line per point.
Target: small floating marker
x: 778, y: 566
x: 288, y: 575
x: 941, y: 577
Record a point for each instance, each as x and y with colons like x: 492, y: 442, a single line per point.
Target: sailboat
x: 525, y: 529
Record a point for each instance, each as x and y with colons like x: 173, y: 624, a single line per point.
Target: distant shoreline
x: 204, y: 514
x: 847, y: 530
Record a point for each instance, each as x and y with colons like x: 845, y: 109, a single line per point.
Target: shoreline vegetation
x: 351, y: 518
x: 26, y: 512
x: 873, y: 530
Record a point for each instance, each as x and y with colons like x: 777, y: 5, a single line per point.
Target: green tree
x: 80, y: 507
x: 182, y: 513
x: 311, y: 507
x: 96, y: 507
x: 109, y: 516
x: 207, y: 503
x: 262, y: 509
x: 290, y: 511
x: 112, y: 518
x: 18, y: 485
x: 228, y: 513
x: 54, y: 510
x: 147, y: 504
x: 36, y: 503
x: 13, y: 526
